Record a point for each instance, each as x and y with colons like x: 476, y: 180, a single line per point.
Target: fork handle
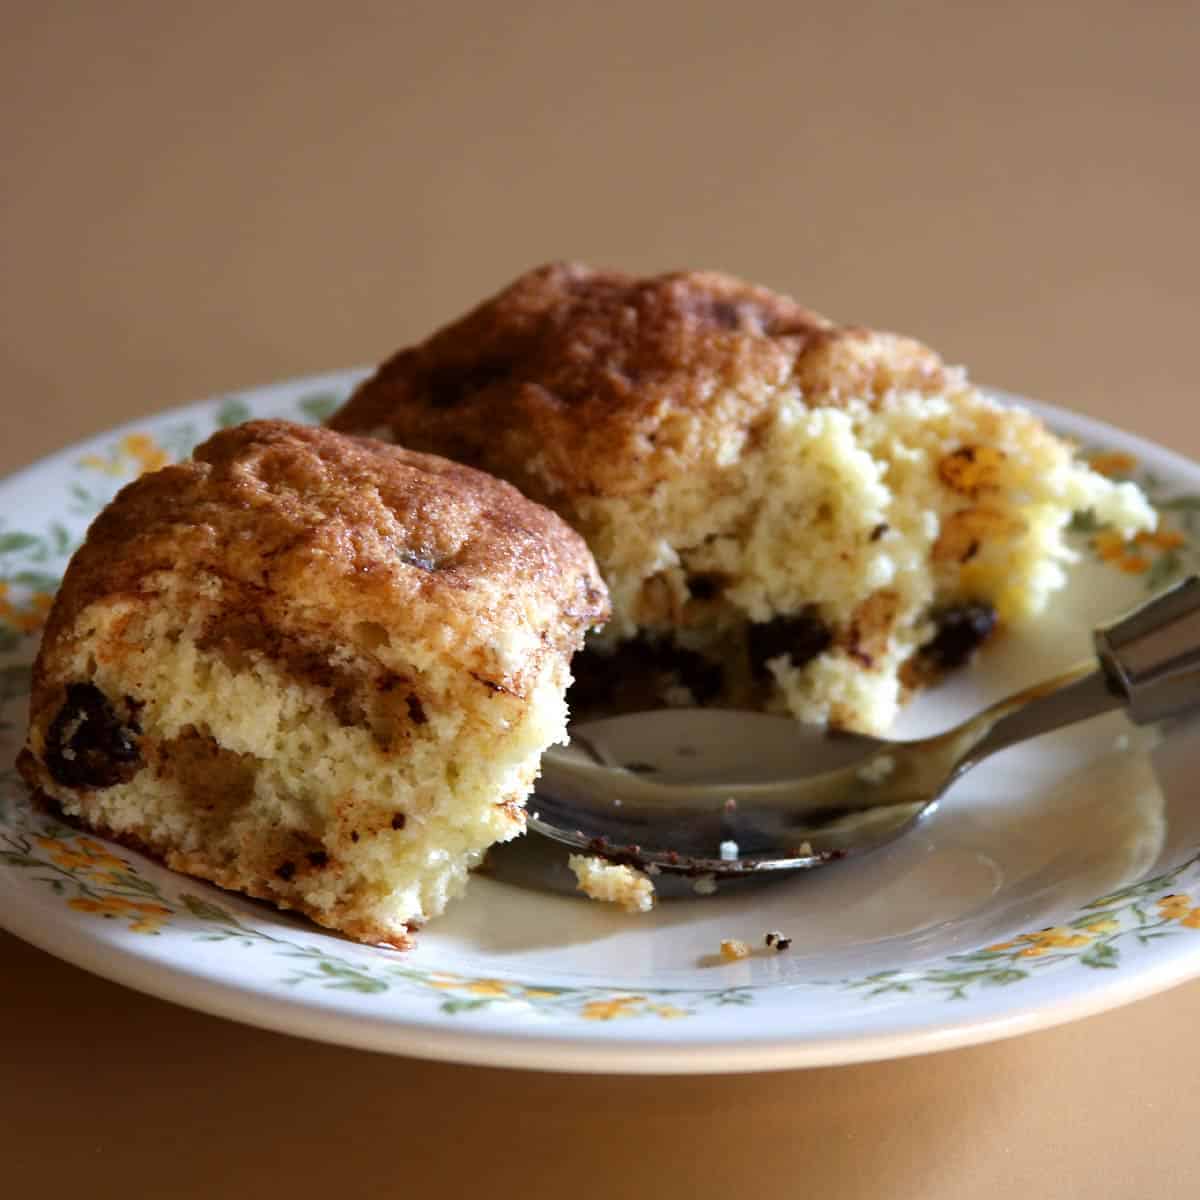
x: 1149, y: 664
x: 1152, y: 656
x: 1083, y: 692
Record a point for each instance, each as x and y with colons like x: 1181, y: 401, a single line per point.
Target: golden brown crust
x: 347, y: 532
x: 575, y: 382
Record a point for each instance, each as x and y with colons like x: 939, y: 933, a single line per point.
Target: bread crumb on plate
x: 612, y: 883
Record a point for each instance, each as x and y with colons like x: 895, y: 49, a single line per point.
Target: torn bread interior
x: 790, y: 514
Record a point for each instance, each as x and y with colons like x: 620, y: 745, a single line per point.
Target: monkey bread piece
x: 313, y: 669
x: 789, y: 514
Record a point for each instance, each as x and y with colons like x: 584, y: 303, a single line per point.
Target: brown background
x: 199, y: 198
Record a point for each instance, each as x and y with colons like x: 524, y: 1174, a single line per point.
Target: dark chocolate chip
x: 701, y: 676
x: 621, y: 680
x: 637, y: 674
x: 416, y: 711
x: 88, y: 745
x: 399, y: 820
x: 286, y: 870
x: 705, y: 587
x: 879, y: 531
x: 961, y: 630
x: 801, y: 638
x: 318, y: 858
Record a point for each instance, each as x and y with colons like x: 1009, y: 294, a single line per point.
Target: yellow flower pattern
x: 104, y: 880
x: 1161, y: 555
x: 1033, y: 945
x: 145, y: 917
x: 616, y: 1007
x: 613, y: 1009
x: 81, y: 854
x: 1180, y: 908
x: 1173, y: 907
x: 1116, y: 464
x: 135, y: 453
x: 668, y: 1012
x: 27, y: 618
x: 1136, y: 556
x: 487, y: 987
x: 608, y: 1008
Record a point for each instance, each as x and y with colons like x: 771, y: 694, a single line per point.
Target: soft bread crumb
x: 613, y: 884
x: 878, y: 769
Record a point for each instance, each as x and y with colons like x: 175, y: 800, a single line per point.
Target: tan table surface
x: 204, y: 197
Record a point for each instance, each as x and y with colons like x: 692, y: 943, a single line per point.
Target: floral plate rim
x: 599, y: 1050
x: 485, y: 1032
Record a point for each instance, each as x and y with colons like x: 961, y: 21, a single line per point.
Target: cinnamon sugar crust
x: 312, y: 668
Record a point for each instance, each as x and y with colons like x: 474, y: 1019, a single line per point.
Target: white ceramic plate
x: 1060, y: 879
